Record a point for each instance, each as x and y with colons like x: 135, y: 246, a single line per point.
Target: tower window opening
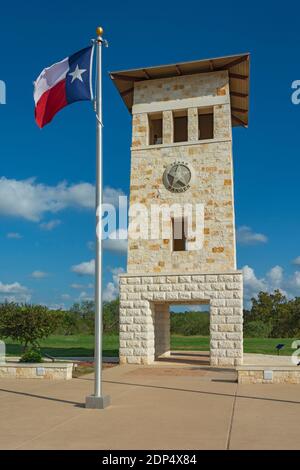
x: 180, y: 122
x: 155, y: 129
x: 205, y: 124
x: 179, y: 238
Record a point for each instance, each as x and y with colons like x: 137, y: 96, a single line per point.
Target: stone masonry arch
x: 142, y: 330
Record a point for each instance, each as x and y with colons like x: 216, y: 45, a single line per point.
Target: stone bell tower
x: 182, y: 119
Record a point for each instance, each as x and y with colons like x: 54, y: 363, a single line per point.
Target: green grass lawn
x: 251, y: 345
x: 75, y: 345
x: 82, y: 345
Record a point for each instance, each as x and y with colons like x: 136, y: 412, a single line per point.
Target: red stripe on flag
x: 50, y: 103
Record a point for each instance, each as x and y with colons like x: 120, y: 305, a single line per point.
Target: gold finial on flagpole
x: 99, y: 31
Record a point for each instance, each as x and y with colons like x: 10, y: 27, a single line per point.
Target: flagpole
x: 98, y: 400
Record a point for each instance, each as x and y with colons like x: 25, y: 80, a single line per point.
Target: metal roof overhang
x: 238, y: 70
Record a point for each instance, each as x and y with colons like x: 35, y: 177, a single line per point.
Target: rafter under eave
x: 242, y: 123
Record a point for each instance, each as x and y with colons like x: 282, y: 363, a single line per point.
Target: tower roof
x: 237, y: 66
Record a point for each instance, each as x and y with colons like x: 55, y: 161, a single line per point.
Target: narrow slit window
x: 179, y: 239
x: 180, y: 122
x: 155, y: 129
x: 205, y: 124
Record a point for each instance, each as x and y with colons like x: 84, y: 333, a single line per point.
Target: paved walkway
x: 181, y: 404
x: 267, y: 360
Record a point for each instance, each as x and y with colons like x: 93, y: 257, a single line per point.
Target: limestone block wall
x: 46, y: 371
x: 211, y: 185
x: 203, y: 89
x: 161, y: 330
x: 141, y: 300
x: 168, y: 127
x: 210, y: 162
x: 280, y: 375
x: 193, y: 124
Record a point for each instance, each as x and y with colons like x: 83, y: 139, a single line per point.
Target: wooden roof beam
x: 127, y: 92
x: 239, y: 121
x: 238, y: 75
x: 239, y: 95
x: 126, y: 78
x: 237, y: 61
x: 146, y: 74
x: 178, y: 69
x: 239, y: 110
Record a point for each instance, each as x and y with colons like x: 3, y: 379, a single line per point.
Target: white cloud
x: 30, y: 200
x: 85, y: 296
x: 296, y: 261
x: 60, y: 306
x: 252, y: 285
x: 14, y: 292
x: 85, y: 268
x: 39, y: 274
x: 111, y: 196
x: 246, y: 236
x: 275, y: 278
x: 189, y: 308
x: 48, y: 226
x: 294, y: 282
x: 14, y: 288
x: 14, y: 235
x: 65, y: 296
x: 91, y: 245
x: 111, y: 290
x: 82, y: 286
x: 77, y: 286
x: 117, y: 241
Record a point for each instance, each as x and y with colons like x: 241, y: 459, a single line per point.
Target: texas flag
x: 63, y: 83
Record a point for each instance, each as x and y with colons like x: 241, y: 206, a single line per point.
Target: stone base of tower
x: 145, y: 318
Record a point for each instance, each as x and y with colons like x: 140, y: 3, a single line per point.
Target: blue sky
x: 40, y: 241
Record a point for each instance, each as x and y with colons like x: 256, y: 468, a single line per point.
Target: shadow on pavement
x: 201, y: 392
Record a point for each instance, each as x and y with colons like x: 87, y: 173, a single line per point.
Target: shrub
x: 82, y: 315
x: 32, y: 355
x: 190, y: 323
x: 81, y: 318
x: 27, y: 323
x: 71, y: 324
x: 111, y: 317
x: 257, y: 329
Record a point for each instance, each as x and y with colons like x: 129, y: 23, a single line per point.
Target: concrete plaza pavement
x: 179, y: 403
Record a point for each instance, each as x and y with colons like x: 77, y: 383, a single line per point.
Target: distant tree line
x: 273, y: 316
x: 270, y: 316
x: 29, y: 324
x: 189, y: 323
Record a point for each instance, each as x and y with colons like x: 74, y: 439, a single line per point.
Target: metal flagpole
x: 98, y: 400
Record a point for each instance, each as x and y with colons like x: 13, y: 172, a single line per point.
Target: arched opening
x: 182, y: 332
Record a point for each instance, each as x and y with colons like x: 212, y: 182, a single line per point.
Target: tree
x: 280, y: 315
x: 293, y: 320
x: 271, y: 309
x: 27, y: 323
x: 257, y: 329
x: 85, y: 310
x: 71, y: 324
x: 266, y: 307
x: 111, y: 316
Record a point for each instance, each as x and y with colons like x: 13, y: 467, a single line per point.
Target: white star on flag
x: 77, y: 74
